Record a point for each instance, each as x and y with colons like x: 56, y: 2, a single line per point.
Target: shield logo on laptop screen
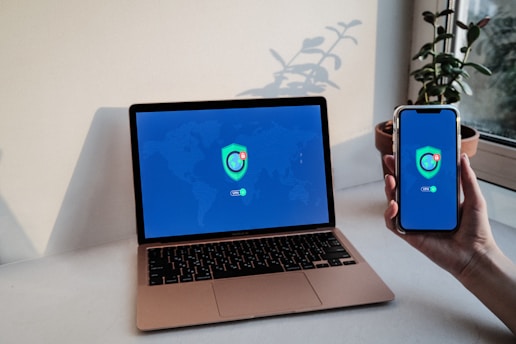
x: 234, y: 161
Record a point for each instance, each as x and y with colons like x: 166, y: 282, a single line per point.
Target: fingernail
x: 465, y: 158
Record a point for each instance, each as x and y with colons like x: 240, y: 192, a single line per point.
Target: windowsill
x: 494, y: 165
x: 500, y: 203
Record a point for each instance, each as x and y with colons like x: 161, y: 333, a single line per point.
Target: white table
x: 78, y: 297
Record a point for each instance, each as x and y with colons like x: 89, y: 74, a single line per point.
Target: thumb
x: 470, y: 188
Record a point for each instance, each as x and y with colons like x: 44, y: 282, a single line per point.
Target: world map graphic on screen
x: 212, y: 175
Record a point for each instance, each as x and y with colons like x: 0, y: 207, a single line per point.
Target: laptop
x: 235, y: 214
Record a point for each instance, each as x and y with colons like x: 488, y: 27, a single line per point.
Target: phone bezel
x: 396, y: 149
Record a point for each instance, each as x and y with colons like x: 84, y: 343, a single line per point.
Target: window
x: 492, y: 109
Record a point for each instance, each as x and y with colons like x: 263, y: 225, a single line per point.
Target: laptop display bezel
x: 223, y: 104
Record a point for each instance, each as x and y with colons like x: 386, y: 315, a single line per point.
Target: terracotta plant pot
x: 383, y: 140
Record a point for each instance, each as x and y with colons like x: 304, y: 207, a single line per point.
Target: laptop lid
x: 233, y: 167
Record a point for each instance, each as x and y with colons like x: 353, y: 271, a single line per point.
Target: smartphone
x: 426, y: 145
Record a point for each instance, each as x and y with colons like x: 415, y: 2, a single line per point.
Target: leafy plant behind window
x: 493, y: 109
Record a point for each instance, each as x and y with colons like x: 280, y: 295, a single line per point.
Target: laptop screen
x: 231, y: 166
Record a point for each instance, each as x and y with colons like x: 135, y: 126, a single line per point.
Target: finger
x: 470, y: 187
x: 390, y: 187
x: 389, y: 162
x: 390, y: 214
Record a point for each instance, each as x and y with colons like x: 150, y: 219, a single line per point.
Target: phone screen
x: 427, y: 168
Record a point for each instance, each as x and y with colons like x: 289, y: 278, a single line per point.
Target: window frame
x: 495, y: 158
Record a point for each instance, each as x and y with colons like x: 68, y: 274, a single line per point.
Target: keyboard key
x: 307, y: 266
x: 186, y: 278
x: 292, y: 267
x: 335, y: 255
x: 246, y: 272
x: 334, y: 262
x: 155, y: 281
x: 171, y: 279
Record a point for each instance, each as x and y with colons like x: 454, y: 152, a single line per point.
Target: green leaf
x: 436, y: 90
x: 463, y: 86
x: 421, y: 92
x: 446, y: 68
x: 472, y: 35
x: 445, y: 12
x: 461, y: 25
x: 452, y: 95
x: 443, y: 37
x: 424, y: 52
x: 480, y: 68
x: 461, y: 72
x: 441, y: 30
x: 422, y: 96
x: 447, y: 58
x: 428, y: 68
x: 429, y: 17
x: 423, y: 74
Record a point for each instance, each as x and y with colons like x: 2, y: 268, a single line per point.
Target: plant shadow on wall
x: 306, y: 72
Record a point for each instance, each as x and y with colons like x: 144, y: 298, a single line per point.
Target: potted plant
x: 443, y: 78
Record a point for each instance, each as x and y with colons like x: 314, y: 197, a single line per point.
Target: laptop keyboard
x: 182, y: 264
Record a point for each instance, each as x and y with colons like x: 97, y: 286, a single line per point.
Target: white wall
x: 69, y: 70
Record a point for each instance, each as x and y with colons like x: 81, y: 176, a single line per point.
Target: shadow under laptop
x: 98, y: 206
x: 15, y: 245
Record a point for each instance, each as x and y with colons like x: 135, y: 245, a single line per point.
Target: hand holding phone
x: 426, y: 144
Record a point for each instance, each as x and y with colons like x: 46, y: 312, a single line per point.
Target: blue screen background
x: 185, y: 189
x: 427, y: 210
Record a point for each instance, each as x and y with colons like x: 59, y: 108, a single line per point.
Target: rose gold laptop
x: 235, y: 214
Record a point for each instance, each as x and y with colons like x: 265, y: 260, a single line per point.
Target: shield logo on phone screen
x: 428, y: 161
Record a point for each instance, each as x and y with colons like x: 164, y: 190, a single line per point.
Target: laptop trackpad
x: 264, y: 295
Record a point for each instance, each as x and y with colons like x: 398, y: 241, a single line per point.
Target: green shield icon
x: 234, y: 161
x: 428, y: 161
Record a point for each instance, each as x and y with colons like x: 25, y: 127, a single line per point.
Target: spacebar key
x: 246, y: 272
